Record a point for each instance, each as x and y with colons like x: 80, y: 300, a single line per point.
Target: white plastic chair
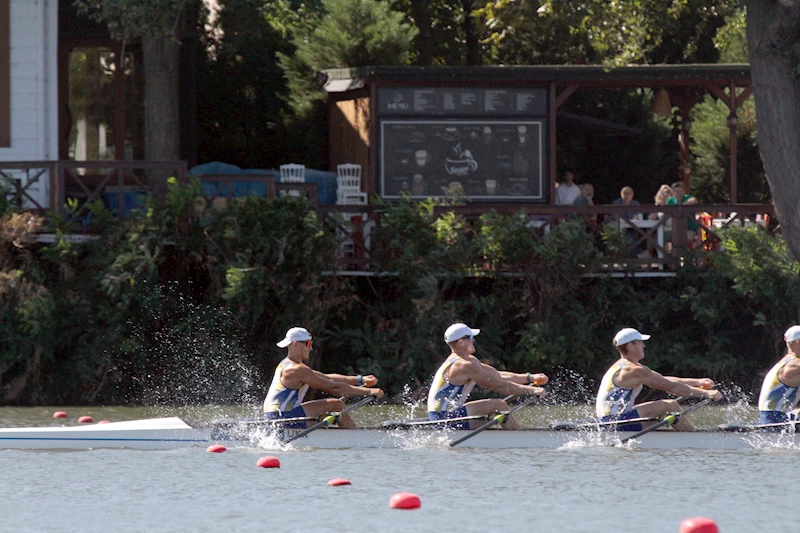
x: 293, y: 173
x: 348, y: 185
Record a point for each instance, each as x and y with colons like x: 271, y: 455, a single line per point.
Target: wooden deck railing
x: 658, y: 237
x: 84, y: 181
x: 653, y: 238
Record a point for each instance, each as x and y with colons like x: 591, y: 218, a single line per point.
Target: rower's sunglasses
x: 470, y: 337
x: 307, y: 343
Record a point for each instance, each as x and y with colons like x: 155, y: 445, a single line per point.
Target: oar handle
x: 669, y: 419
x: 498, y: 418
x: 329, y: 419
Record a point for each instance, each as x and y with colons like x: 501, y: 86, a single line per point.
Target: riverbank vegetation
x: 182, y: 303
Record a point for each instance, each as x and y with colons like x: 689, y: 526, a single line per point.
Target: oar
x: 669, y: 419
x: 567, y: 426
x: 328, y: 420
x: 735, y: 428
x: 263, y: 421
x: 499, y: 418
x: 397, y: 424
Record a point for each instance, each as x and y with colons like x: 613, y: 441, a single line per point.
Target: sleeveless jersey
x: 443, y: 396
x: 775, y: 395
x: 280, y: 398
x: 613, y: 400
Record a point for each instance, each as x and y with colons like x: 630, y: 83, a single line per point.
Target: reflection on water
x: 597, y: 489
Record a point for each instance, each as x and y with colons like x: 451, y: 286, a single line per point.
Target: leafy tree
x: 598, y: 31
x: 773, y: 38
x: 241, y: 90
x: 351, y: 33
x: 450, y: 33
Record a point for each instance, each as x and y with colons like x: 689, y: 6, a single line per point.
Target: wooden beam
x: 733, y: 142
x: 119, y: 103
x: 551, y: 139
x: 565, y: 94
x: 742, y: 96
x: 720, y: 93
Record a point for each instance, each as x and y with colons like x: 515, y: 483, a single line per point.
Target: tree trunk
x: 773, y: 29
x: 473, y: 56
x: 161, y: 57
x: 424, y: 44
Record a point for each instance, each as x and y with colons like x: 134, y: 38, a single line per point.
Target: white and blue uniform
x: 446, y: 400
x: 283, y: 402
x: 777, y: 399
x: 616, y: 403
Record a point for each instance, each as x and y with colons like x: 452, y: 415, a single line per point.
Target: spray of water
x: 187, y: 354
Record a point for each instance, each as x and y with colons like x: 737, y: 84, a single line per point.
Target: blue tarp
x: 326, y: 181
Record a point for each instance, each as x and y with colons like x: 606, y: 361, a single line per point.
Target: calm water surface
x: 585, y: 489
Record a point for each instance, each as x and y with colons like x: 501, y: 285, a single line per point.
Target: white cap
x: 295, y: 334
x: 459, y: 331
x: 792, y: 334
x: 626, y: 335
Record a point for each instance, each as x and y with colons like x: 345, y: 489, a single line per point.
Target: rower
x: 293, y: 378
x: 779, y: 391
x: 624, y: 380
x: 461, y: 371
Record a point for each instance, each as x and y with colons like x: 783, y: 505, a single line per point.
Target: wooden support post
x: 551, y: 141
x: 732, y: 122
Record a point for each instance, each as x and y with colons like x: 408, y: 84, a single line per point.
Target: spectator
x: 631, y: 234
x: 664, y: 193
x: 626, y: 198
x: 587, y: 195
x: 567, y: 191
x: 681, y: 197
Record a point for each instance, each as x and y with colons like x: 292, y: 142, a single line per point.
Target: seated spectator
x: 567, y: 191
x: 626, y: 198
x: 681, y: 197
x: 664, y: 193
x: 587, y: 195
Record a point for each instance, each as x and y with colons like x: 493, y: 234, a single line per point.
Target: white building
x: 29, y: 87
x: 63, y: 96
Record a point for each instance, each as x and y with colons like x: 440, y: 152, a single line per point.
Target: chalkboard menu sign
x: 482, y: 159
x: 446, y: 101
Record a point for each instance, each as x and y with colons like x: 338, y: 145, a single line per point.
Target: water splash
x: 568, y: 387
x: 187, y: 354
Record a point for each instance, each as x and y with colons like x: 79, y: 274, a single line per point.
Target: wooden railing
x: 85, y: 181
x: 657, y: 237
x: 19, y: 178
x: 654, y: 239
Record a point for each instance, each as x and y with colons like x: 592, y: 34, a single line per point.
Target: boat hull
x: 150, y: 434
x: 172, y: 433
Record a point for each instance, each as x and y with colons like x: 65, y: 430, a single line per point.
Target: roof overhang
x: 583, y: 75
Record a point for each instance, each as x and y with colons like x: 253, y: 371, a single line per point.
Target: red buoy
x: 60, y: 414
x: 268, y: 462
x: 699, y: 524
x: 85, y: 420
x: 104, y: 422
x: 338, y: 482
x: 216, y: 448
x: 405, y: 500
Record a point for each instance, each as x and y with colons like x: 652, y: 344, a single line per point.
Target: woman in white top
x: 664, y: 193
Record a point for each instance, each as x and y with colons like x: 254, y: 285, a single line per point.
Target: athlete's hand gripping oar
x: 499, y: 418
x: 669, y: 419
x: 329, y: 419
